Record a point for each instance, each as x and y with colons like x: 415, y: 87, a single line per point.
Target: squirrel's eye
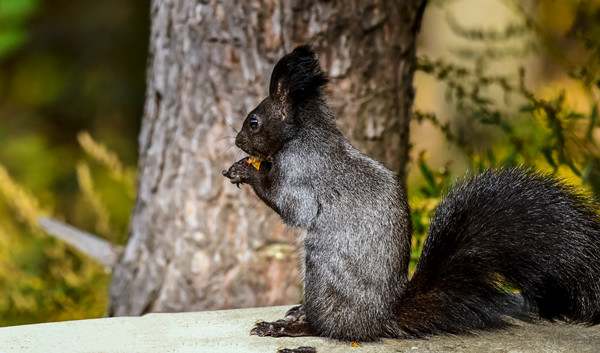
x: 253, y: 122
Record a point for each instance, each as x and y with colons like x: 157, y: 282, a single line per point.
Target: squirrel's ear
x: 297, y: 76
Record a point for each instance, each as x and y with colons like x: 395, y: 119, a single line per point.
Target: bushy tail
x: 499, y: 231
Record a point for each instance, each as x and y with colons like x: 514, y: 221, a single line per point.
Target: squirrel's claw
x: 233, y: 179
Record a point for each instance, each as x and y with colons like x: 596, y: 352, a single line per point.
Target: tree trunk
x: 196, y: 241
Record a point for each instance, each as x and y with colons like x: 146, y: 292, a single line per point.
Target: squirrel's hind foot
x: 298, y: 350
x: 282, y: 328
x: 296, y: 313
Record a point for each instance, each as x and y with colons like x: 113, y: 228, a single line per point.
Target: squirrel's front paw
x: 240, y: 172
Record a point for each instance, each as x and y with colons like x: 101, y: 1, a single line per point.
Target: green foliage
x: 497, y: 120
x: 13, y: 15
x: 42, y: 279
x: 65, y: 67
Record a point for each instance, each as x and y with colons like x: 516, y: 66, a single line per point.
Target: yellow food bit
x: 355, y: 344
x: 254, y: 161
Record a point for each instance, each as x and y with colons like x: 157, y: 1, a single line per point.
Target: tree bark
x: 197, y: 242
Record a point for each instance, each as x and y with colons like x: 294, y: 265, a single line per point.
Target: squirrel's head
x: 296, y: 81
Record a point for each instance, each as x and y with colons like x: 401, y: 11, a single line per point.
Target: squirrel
x: 506, y: 242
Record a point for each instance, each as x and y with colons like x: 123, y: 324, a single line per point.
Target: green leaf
x: 11, y: 40
x: 573, y: 168
x: 528, y: 108
x: 592, y: 124
x: 547, y: 152
x: 491, y: 156
x: 587, y: 170
x: 427, y: 174
x: 17, y: 9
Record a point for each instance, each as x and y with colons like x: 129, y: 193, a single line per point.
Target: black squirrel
x: 506, y: 228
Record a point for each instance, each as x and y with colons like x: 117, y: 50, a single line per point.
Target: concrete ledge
x: 227, y: 331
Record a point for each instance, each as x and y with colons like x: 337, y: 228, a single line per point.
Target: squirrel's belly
x: 345, y: 294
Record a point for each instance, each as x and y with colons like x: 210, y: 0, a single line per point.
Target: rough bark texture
x: 196, y: 241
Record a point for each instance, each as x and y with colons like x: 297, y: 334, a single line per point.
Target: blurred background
x: 66, y: 67
x: 498, y: 83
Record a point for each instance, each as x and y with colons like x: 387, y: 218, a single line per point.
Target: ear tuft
x: 297, y: 76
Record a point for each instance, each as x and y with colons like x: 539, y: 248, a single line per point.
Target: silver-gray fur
x: 503, y: 228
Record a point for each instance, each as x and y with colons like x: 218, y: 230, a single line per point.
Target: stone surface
x: 227, y: 331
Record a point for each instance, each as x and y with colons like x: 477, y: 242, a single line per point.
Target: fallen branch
x: 99, y: 249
